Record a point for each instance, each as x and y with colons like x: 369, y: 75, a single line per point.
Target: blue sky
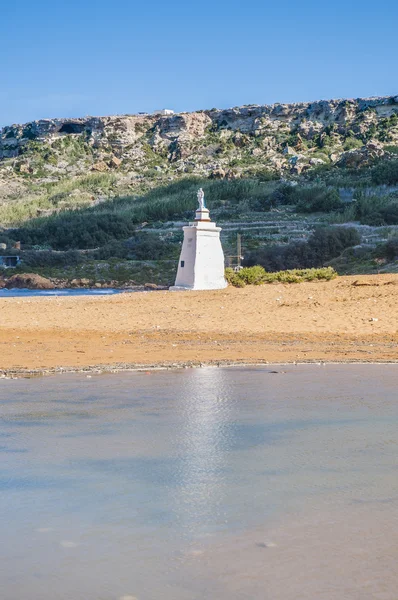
x: 76, y: 58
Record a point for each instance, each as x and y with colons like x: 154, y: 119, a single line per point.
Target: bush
x: 317, y: 198
x: 385, y: 173
x: 257, y: 275
x: 284, y: 194
x: 389, y: 250
x: 252, y: 275
x: 352, y: 143
x: 390, y: 213
x: 81, y: 230
x: 375, y: 210
x: 392, y: 149
x: 47, y: 258
x: 233, y: 278
x: 142, y: 246
x: 323, y: 245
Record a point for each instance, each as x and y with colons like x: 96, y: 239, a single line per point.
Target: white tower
x: 201, y: 265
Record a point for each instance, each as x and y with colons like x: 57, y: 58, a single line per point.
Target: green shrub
x: 252, y: 275
x: 390, y: 213
x: 141, y: 246
x: 256, y: 275
x: 284, y: 194
x: 233, y: 278
x: 324, y: 244
x: 317, y: 198
x: 388, y: 250
x: 352, y: 143
x: 374, y: 210
x: 385, y: 173
x: 47, y: 258
x: 391, y: 149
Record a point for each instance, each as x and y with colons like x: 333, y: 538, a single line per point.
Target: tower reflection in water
x: 202, y: 446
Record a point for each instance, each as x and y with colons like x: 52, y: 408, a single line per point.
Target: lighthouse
x: 201, y: 264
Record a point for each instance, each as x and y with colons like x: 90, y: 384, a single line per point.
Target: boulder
x: 115, y: 162
x: 375, y: 147
x: 217, y: 174
x: 25, y: 168
x: 100, y: 166
x: 289, y: 151
x: 239, y: 140
x: 363, y: 156
x: 32, y: 281
x: 230, y: 174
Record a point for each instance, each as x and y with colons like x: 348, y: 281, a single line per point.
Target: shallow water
x: 24, y: 292
x: 249, y: 483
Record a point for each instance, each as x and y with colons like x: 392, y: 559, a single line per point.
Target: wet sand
x: 348, y: 319
x: 328, y: 552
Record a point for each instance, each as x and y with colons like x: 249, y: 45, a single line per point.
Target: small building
x: 164, y: 112
x: 9, y: 262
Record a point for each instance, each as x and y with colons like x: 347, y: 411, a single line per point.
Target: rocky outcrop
x: 30, y: 281
x: 206, y: 143
x: 362, y: 156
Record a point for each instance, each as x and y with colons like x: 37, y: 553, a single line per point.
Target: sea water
x: 25, y: 292
x: 214, y: 483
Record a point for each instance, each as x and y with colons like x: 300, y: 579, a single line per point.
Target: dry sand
x: 347, y: 319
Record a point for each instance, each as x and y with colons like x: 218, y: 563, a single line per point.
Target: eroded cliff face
x: 218, y: 143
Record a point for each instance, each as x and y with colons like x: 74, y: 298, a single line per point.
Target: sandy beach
x: 348, y: 319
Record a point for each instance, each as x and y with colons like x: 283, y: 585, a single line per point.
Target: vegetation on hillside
x: 99, y: 197
x: 323, y: 245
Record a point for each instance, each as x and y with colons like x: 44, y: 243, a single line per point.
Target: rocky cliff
x: 287, y: 138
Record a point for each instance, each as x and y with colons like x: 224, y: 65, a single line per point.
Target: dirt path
x: 348, y: 319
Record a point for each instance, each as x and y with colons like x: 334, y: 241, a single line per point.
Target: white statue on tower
x: 201, y: 199
x: 201, y: 265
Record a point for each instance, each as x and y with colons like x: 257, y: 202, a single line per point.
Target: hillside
x: 117, y: 189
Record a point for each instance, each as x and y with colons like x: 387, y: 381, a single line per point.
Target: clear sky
x: 96, y: 57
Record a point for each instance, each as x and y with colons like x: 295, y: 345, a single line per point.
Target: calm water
x: 208, y: 483
x: 24, y: 292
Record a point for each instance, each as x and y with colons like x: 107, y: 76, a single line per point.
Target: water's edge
x: 167, y: 366
x: 43, y: 293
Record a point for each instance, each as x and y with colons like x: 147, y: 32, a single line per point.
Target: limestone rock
x: 193, y: 142
x: 115, y: 162
x: 25, y: 168
x: 362, y: 156
x: 231, y: 174
x: 30, y: 281
x: 77, y: 283
x: 287, y: 150
x: 217, y: 174
x: 100, y: 166
x: 375, y: 147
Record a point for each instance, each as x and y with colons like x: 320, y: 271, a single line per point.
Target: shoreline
x: 138, y: 368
